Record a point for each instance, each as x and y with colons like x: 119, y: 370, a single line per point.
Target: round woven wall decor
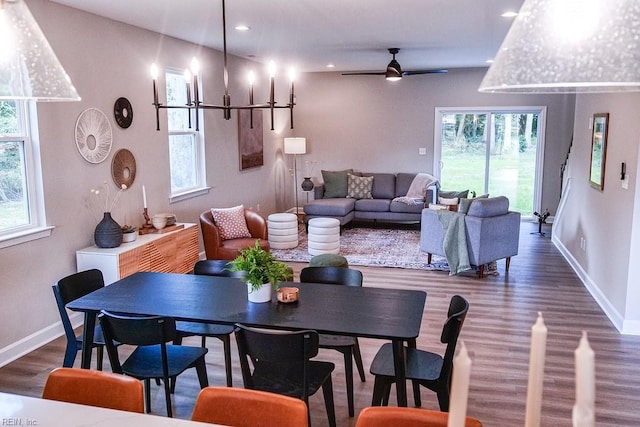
x: 93, y: 135
x: 123, y: 168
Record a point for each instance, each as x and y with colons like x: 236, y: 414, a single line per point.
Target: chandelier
x: 196, y: 104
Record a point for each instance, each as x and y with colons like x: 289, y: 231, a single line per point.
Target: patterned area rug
x: 373, y: 247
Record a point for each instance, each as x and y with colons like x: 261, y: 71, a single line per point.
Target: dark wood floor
x: 496, y: 333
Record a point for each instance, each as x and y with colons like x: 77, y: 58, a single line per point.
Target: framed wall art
x: 250, y: 143
x: 599, y: 143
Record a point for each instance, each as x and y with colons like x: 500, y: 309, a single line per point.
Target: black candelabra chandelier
x: 197, y: 104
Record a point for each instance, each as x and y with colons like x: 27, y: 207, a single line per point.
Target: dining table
x: 18, y: 410
x: 368, y: 312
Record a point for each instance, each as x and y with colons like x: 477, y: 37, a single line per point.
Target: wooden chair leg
x: 147, y: 394
x: 100, y: 356
x: 348, y: 370
x: 443, y: 400
x: 481, y: 271
x: 201, y: 369
x: 358, y: 358
x: 416, y: 394
x: 378, y: 391
x: 167, y: 396
x: 327, y: 391
x: 226, y: 344
x: 508, y: 262
x: 428, y: 258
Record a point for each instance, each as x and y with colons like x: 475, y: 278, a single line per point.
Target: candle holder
x: 146, y: 227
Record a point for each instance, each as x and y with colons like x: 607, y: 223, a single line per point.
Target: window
x: 21, y: 202
x: 186, y: 146
x: 496, y: 151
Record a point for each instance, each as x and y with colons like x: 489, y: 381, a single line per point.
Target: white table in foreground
x: 16, y: 410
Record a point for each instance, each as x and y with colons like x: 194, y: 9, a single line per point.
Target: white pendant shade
x: 29, y: 69
x: 566, y: 46
x: 295, y: 146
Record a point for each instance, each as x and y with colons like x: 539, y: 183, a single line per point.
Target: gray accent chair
x: 492, y: 232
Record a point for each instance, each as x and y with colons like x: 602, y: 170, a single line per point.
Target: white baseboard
x: 36, y: 340
x: 624, y: 327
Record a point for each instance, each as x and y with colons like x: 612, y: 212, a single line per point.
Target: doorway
x: 495, y: 151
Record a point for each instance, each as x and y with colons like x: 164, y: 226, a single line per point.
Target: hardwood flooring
x: 496, y: 332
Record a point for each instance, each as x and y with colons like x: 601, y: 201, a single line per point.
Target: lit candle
x: 144, y: 197
x: 187, y: 79
x: 195, y: 70
x: 272, y: 75
x: 154, y: 76
x: 252, y: 78
x: 459, y: 388
x: 292, y: 76
x: 536, y: 372
x: 584, y: 409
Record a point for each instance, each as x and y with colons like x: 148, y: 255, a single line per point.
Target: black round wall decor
x: 123, y: 112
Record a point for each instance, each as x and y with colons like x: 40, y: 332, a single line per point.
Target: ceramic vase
x: 108, y: 233
x: 262, y: 294
x: 307, y: 184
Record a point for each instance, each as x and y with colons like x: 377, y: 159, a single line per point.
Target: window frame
x: 37, y: 227
x: 201, y: 186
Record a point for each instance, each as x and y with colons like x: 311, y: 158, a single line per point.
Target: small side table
x: 323, y: 236
x: 283, y: 230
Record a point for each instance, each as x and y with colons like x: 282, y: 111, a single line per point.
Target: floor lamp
x: 295, y: 146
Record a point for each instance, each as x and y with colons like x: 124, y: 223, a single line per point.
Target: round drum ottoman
x: 283, y: 230
x: 323, y: 236
x: 328, y: 260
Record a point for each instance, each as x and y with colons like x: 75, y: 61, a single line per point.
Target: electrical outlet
x: 422, y: 151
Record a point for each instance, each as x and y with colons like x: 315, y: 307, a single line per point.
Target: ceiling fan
x: 394, y: 71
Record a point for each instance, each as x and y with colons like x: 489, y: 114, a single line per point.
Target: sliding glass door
x: 492, y: 151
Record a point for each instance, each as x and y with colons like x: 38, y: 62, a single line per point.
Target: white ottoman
x: 283, y: 230
x: 323, y: 236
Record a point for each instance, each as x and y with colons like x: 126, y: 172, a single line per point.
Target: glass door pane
x: 464, y: 152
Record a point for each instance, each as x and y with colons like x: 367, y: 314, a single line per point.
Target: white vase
x: 262, y: 294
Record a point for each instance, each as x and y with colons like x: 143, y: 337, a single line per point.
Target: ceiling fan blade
x: 359, y: 73
x: 409, y: 73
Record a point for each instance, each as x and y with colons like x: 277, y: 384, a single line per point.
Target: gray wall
x: 377, y: 126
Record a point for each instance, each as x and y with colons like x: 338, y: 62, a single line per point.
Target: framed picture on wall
x: 250, y: 144
x: 599, y: 143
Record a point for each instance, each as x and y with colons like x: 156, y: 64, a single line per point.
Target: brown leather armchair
x: 216, y: 248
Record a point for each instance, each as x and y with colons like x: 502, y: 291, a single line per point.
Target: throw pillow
x: 335, y: 183
x: 359, y: 187
x: 453, y: 194
x: 463, y: 207
x: 231, y: 222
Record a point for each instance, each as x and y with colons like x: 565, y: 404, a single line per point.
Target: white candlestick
x: 584, y: 409
x: 459, y: 388
x: 144, y: 197
x: 536, y: 372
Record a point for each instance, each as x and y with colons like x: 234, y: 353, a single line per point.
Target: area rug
x: 373, y: 247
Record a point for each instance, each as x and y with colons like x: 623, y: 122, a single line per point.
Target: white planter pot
x: 262, y: 294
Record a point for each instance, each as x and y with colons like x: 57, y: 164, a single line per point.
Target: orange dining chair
x: 240, y: 407
x: 384, y: 416
x: 95, y: 388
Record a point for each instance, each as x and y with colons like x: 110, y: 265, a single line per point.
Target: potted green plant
x: 261, y: 272
x: 129, y: 233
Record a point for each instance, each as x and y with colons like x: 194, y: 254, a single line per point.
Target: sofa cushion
x: 329, y: 207
x: 491, y: 206
x: 453, y: 194
x: 384, y: 185
x: 335, y: 183
x: 373, y: 205
x: 464, y: 205
x: 359, y: 187
x: 403, y: 182
x: 231, y: 222
x: 405, y: 208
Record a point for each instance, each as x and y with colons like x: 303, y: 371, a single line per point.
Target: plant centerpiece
x: 129, y: 233
x: 262, y: 272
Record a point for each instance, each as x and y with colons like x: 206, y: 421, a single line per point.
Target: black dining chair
x: 424, y: 367
x: 281, y: 364
x: 69, y: 289
x: 152, y: 358
x: 204, y: 330
x: 346, y: 345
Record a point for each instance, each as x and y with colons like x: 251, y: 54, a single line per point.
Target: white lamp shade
x: 29, y: 69
x: 295, y: 146
x: 567, y: 46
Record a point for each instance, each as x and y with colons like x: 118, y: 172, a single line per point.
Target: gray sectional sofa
x: 386, y: 187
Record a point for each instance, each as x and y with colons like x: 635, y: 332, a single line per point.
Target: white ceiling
x: 308, y: 34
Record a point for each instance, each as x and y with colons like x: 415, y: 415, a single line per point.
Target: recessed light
x: 331, y: 65
x: 242, y: 27
x: 509, y: 14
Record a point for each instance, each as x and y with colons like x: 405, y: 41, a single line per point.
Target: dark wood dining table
x: 386, y: 314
